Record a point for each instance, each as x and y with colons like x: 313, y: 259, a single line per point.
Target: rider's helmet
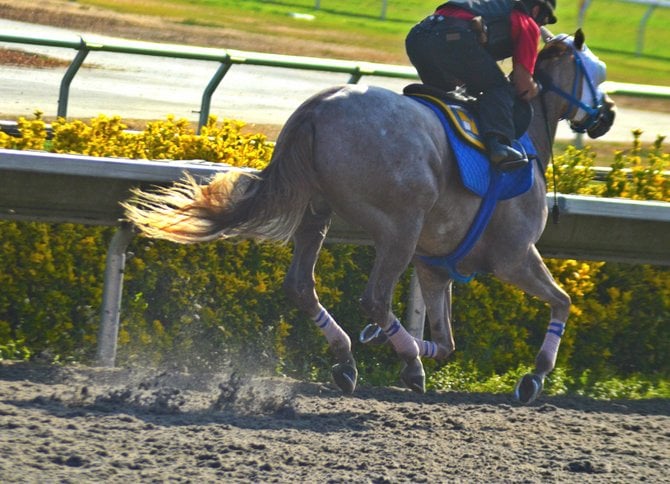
x: 547, y: 8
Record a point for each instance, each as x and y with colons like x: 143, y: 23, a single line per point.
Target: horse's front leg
x: 300, y: 285
x: 533, y: 277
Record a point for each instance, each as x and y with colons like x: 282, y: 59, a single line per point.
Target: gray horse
x: 382, y: 162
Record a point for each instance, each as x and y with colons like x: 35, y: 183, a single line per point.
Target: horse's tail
x: 267, y: 206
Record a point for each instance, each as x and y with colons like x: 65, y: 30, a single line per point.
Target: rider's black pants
x: 447, y: 53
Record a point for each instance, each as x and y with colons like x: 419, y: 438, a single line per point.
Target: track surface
x: 79, y: 424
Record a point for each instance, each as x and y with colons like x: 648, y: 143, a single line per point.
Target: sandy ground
x: 79, y: 424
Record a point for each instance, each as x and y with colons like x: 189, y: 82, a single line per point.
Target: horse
x: 381, y: 161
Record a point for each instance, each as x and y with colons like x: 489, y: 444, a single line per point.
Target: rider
x: 461, y: 43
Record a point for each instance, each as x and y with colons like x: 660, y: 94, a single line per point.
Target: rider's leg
x: 495, y: 109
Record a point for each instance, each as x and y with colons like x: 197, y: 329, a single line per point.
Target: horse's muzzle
x: 605, y: 119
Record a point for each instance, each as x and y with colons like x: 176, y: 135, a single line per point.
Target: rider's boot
x: 502, y: 155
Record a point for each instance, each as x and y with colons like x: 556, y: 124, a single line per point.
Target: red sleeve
x: 455, y: 12
x: 525, y: 39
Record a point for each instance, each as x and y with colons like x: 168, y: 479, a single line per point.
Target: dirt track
x: 78, y: 424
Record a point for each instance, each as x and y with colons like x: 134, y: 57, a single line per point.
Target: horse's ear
x: 579, y: 39
x: 546, y: 34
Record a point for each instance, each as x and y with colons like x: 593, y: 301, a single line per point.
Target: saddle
x: 477, y: 174
x: 456, y: 112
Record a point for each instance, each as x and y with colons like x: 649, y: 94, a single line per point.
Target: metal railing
x: 229, y: 57
x: 225, y: 57
x: 590, y: 228
x: 642, y: 25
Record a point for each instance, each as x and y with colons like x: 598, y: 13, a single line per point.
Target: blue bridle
x: 592, y: 111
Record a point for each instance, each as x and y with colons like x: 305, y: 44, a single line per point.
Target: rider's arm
x: 525, y: 38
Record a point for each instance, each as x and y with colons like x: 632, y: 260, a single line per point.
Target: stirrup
x: 515, y: 163
x: 510, y: 165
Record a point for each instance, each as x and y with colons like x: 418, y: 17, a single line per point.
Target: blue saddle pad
x: 468, y: 147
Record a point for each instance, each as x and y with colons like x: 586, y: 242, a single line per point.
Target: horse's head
x: 568, y: 68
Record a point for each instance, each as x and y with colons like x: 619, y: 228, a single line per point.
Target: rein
x: 592, y: 112
x: 555, y: 211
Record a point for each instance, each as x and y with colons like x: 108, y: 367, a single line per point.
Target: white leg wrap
x: 426, y: 348
x: 331, y: 330
x: 552, y: 340
x: 403, y: 342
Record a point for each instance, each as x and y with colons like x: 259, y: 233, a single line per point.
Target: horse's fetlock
x: 341, y: 350
x: 375, y: 309
x: 544, y: 363
x: 443, y: 352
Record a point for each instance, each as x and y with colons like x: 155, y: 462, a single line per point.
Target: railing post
x: 355, y: 76
x: 383, y: 14
x: 206, y: 103
x: 67, y: 80
x: 641, y: 29
x: 111, y: 296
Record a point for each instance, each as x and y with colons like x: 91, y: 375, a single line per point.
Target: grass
x: 610, y: 25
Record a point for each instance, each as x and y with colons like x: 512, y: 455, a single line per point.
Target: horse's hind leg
x: 436, y: 291
x: 299, y: 286
x: 393, y: 254
x: 534, y: 278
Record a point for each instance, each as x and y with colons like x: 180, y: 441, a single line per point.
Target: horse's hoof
x: 345, y: 376
x: 413, y: 376
x: 373, y: 334
x: 529, y: 388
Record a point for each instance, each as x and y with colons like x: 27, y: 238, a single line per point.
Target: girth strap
x: 481, y: 220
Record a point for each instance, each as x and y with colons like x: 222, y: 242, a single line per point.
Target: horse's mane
x: 552, y: 50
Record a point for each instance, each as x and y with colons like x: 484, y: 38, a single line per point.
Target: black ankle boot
x: 503, y: 156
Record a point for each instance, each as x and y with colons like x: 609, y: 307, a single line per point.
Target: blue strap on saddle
x: 481, y: 220
x: 478, y: 176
